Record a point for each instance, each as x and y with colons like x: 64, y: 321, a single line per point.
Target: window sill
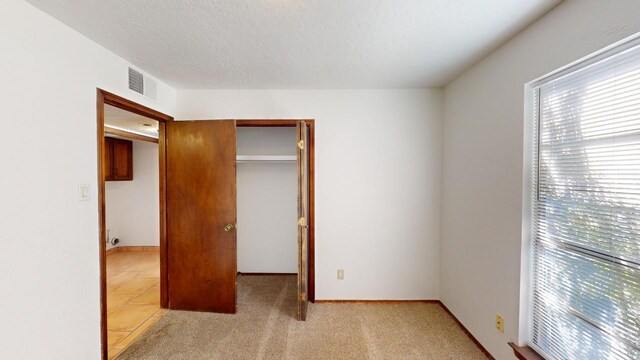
x: 525, y: 352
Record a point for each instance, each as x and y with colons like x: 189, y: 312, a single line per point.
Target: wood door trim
x: 128, y: 105
x: 104, y: 97
x: 102, y: 238
x: 311, y: 125
x: 130, y: 135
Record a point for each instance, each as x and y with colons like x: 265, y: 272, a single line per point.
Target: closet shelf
x: 267, y: 158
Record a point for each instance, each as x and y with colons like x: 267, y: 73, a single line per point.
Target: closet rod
x: 272, y: 158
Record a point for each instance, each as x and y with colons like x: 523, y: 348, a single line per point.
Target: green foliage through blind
x: 586, y: 212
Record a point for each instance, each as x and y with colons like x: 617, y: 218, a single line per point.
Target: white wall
x: 267, y: 202
x: 483, y: 157
x: 377, y: 181
x: 49, y: 274
x: 133, y: 207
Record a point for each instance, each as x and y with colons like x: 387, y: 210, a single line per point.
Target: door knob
x: 229, y: 227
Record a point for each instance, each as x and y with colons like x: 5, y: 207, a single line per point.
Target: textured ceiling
x: 299, y: 43
x: 125, y: 120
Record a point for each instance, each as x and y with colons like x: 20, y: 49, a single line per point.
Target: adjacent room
x: 132, y: 220
x: 306, y: 179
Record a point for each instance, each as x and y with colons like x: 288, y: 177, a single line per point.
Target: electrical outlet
x: 340, y: 274
x: 500, y: 323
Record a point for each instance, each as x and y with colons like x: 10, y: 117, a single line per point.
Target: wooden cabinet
x: 118, y: 159
x: 107, y: 162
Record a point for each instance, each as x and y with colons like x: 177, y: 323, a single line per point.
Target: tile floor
x: 133, y: 297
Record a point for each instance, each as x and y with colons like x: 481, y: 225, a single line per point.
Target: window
x: 585, y: 210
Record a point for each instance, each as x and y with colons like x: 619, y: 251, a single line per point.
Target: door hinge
x: 301, y: 221
x: 301, y: 144
x: 302, y: 297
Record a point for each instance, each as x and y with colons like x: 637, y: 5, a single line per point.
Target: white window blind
x: 586, y: 212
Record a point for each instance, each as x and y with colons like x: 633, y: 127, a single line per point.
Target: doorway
x: 133, y: 229
x: 129, y: 275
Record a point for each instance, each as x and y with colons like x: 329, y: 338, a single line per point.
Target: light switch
x: 83, y: 192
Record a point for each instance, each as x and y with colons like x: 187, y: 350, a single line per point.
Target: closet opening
x: 274, y: 214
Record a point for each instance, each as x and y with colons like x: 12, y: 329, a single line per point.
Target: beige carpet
x: 265, y: 328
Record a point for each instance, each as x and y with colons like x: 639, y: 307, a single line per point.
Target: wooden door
x: 303, y: 218
x: 201, y: 215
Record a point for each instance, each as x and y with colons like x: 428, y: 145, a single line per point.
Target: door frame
x: 130, y: 135
x: 311, y: 296
x: 105, y: 97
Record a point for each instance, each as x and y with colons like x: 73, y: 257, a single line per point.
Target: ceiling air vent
x: 141, y: 84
